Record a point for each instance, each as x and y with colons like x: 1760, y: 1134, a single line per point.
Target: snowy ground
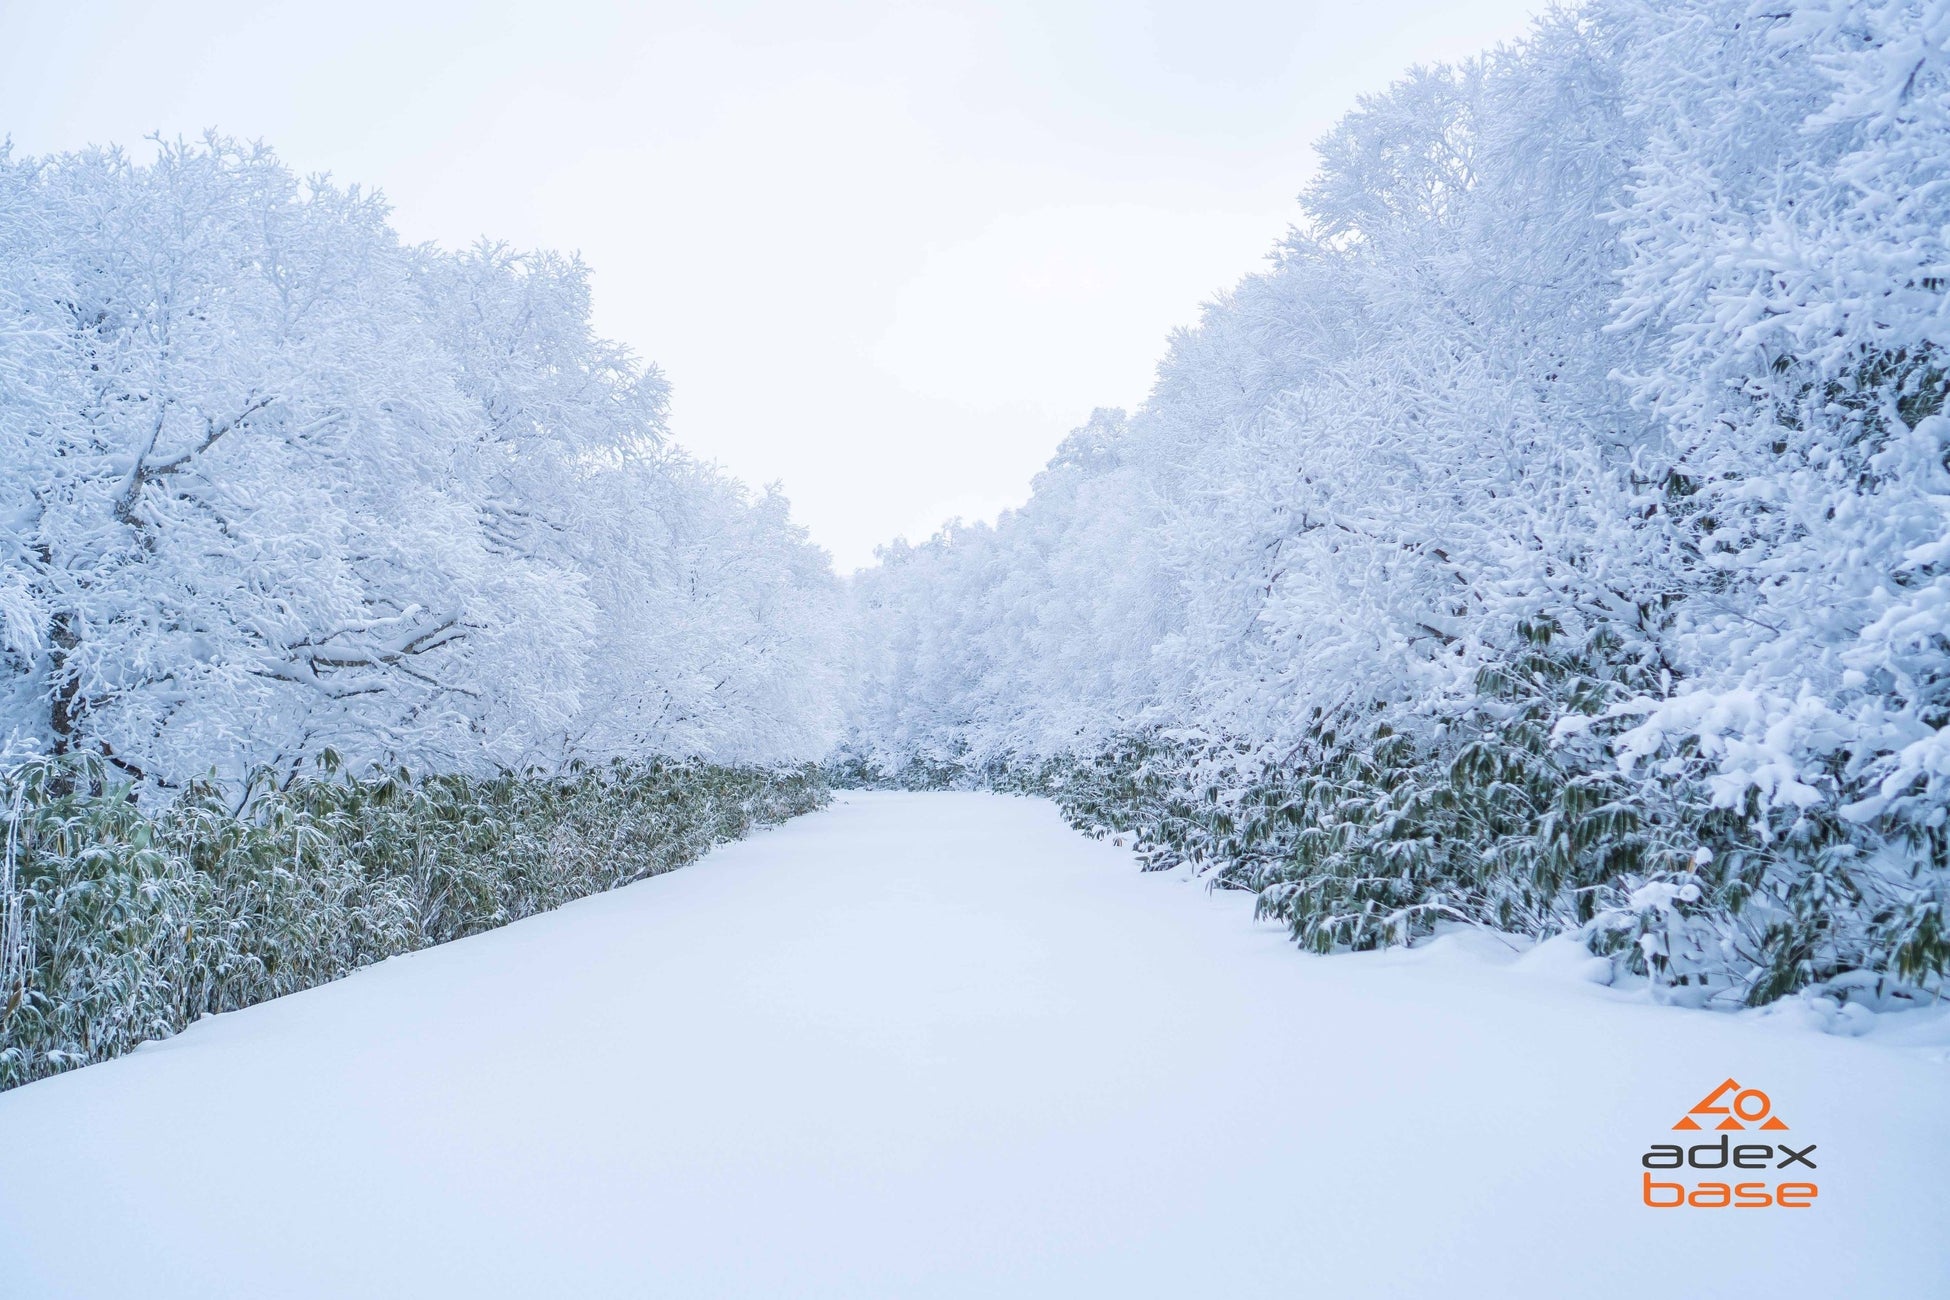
x: 937, y: 1045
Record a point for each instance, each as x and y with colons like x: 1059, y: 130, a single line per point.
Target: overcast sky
x: 887, y: 254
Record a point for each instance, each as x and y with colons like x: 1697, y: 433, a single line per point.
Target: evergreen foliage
x: 121, y: 922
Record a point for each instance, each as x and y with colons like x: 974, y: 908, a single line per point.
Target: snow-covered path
x: 938, y: 1045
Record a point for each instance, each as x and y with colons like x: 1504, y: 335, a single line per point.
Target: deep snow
x: 939, y: 1045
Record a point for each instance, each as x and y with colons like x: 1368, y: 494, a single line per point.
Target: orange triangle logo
x: 1734, y: 1107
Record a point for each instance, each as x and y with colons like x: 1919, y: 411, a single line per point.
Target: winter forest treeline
x: 1555, y: 535
x: 274, y: 482
x: 352, y: 598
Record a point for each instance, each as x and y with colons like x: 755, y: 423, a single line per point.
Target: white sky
x: 888, y: 254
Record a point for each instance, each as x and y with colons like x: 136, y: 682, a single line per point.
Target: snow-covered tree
x: 372, y: 573
x: 272, y: 482
x: 1554, y: 536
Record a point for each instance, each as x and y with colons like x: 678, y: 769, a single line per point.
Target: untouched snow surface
x: 939, y: 1045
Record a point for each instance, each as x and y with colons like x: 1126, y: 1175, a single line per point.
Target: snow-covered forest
x: 272, y: 482
x: 352, y: 598
x: 1526, y: 593
x: 1554, y: 536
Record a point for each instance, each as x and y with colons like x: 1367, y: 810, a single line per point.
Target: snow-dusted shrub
x: 125, y: 923
x: 1556, y: 536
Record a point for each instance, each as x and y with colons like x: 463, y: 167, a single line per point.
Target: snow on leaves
x: 1556, y: 536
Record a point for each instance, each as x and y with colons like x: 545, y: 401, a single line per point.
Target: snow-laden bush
x: 121, y: 923
x: 1556, y: 536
